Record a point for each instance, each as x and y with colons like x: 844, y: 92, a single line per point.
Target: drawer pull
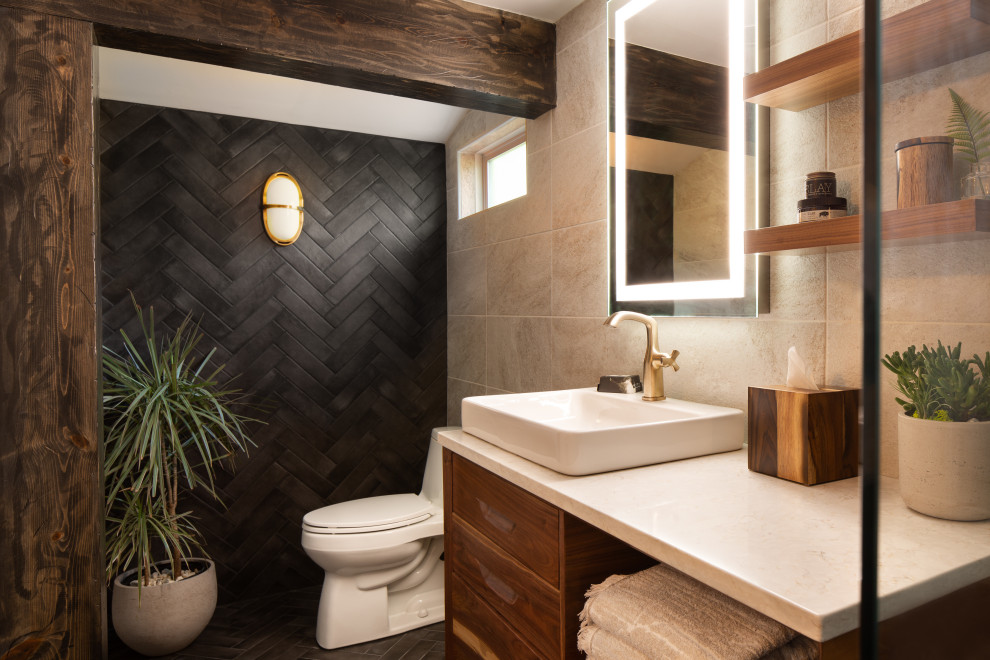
x: 501, y: 589
x: 497, y: 520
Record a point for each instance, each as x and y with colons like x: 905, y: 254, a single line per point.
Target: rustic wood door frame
x: 51, y: 512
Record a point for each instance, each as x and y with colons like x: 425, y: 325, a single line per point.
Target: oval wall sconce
x: 282, y: 208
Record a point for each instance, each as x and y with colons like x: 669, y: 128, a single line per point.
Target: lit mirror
x: 686, y: 158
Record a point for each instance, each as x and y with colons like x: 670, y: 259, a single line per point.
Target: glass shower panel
x: 934, y: 330
x: 816, y: 272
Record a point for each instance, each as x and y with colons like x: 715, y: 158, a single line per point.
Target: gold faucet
x: 655, y: 361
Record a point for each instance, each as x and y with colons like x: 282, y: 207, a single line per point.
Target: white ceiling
x: 656, y: 156
x: 138, y: 78
x: 698, y: 30
x: 545, y: 10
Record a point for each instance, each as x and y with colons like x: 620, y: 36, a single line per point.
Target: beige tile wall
x: 527, y: 280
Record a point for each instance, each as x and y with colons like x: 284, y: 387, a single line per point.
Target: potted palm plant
x: 943, y: 437
x: 167, y: 423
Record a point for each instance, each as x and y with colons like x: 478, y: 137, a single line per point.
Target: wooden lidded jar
x: 924, y: 171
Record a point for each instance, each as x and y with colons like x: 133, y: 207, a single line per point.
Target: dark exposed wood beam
x: 51, y: 511
x: 448, y: 51
x: 674, y: 98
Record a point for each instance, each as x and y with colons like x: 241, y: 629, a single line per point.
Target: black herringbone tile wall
x: 343, y: 332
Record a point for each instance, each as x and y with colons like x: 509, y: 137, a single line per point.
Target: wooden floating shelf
x: 927, y: 36
x: 952, y: 221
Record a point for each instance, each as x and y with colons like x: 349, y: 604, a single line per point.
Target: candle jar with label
x: 822, y: 202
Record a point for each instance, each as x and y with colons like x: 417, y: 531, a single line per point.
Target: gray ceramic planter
x: 945, y: 467
x: 168, y: 617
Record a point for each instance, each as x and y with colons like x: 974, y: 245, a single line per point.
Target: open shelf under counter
x: 930, y: 35
x: 966, y: 219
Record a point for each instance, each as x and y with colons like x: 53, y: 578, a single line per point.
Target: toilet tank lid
x: 370, y: 512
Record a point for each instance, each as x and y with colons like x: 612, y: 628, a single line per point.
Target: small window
x: 491, y: 170
x: 504, y: 171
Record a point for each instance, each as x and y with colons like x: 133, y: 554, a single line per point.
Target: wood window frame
x: 492, y: 153
x: 471, y: 180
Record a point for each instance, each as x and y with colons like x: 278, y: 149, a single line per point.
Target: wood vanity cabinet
x: 517, y: 568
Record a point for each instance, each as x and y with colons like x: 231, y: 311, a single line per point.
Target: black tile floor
x: 283, y: 627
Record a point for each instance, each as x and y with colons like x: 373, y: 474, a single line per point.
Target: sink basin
x: 585, y: 431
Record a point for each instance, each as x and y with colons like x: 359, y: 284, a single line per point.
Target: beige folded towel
x: 662, y: 613
x: 600, y: 644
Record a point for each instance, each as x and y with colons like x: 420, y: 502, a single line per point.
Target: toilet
x: 383, y: 561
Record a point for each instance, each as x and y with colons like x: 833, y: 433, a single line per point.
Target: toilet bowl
x: 382, y: 561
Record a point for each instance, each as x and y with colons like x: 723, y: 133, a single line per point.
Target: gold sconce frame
x: 282, y: 237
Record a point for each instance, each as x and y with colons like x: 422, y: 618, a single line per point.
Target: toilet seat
x: 371, y: 514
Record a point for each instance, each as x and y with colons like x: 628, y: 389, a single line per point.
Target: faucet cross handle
x: 669, y: 360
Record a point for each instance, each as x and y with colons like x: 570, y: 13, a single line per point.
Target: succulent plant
x: 937, y: 384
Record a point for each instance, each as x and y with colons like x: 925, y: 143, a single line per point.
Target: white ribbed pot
x: 168, y: 617
x: 945, y: 467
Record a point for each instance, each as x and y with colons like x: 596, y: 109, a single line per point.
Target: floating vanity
x: 789, y: 551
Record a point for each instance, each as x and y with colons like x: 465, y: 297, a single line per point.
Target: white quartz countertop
x: 787, y: 550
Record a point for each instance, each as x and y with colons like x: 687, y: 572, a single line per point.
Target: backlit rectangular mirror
x: 687, y: 155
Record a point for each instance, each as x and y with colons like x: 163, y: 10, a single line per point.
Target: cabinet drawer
x: 529, y: 604
x: 480, y: 632
x: 521, y: 523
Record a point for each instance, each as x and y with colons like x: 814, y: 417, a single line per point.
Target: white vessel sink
x: 584, y: 431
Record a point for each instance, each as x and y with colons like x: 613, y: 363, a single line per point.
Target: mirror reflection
x: 684, y: 157
x: 676, y: 206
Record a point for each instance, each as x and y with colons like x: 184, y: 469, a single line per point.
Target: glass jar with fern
x: 970, y: 129
x: 976, y: 184
x: 168, y: 423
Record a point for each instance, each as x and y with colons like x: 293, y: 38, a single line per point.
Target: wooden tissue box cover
x: 802, y: 435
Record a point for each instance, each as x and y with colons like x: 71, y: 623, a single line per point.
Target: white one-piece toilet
x: 382, y: 557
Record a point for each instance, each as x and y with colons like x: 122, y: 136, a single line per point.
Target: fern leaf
x: 970, y: 128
